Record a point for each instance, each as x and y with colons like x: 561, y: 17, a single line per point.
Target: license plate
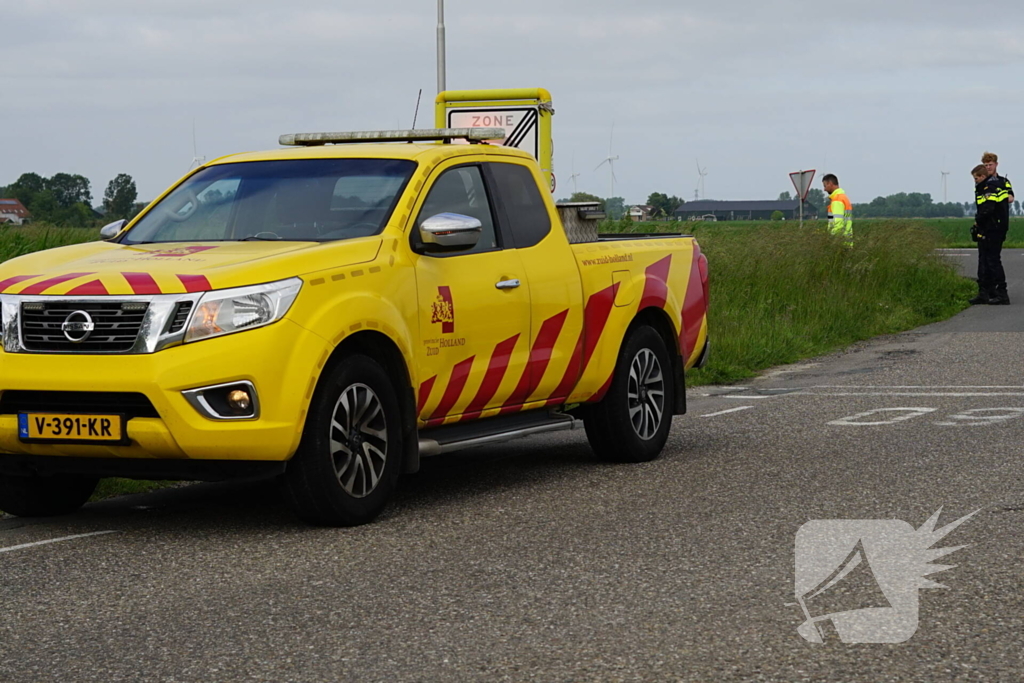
x: 71, y: 427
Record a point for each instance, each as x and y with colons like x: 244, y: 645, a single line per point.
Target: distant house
x: 13, y: 212
x: 743, y: 210
x: 641, y: 212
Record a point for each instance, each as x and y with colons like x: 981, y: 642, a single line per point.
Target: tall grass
x: 18, y: 240
x: 779, y: 293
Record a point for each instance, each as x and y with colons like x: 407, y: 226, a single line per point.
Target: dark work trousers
x: 991, y: 278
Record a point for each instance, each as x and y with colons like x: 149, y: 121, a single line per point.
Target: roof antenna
x: 196, y: 159
x: 417, y: 114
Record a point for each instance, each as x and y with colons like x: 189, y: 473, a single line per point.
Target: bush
x: 777, y: 216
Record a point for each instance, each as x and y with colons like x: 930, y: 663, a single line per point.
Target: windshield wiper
x: 257, y: 238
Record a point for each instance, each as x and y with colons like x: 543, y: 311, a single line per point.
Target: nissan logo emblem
x: 77, y: 327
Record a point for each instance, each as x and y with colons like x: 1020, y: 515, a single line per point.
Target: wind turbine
x: 702, y: 172
x: 574, y: 175
x: 196, y: 159
x: 610, y: 160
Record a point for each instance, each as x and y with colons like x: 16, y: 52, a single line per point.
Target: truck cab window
x: 526, y: 215
x: 461, y: 190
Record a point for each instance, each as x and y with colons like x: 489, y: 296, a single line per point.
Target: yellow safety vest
x: 840, y: 214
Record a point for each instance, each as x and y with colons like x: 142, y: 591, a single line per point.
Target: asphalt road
x: 529, y: 561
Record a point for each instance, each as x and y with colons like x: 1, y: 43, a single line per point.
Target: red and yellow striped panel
x: 93, y: 284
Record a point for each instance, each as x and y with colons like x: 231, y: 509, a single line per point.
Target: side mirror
x: 111, y: 230
x: 451, y: 230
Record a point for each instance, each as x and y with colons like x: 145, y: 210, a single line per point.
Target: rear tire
x: 632, y: 422
x: 350, y: 456
x: 35, y: 496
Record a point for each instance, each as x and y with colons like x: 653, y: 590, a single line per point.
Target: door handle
x: 508, y: 284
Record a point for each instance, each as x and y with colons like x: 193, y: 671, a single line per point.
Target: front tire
x: 349, y: 459
x: 35, y: 496
x: 631, y: 423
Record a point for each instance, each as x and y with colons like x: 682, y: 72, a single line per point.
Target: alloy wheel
x: 645, y: 394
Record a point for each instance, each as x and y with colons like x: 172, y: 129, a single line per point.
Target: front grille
x: 117, y: 325
x: 180, y: 316
x: 118, y: 402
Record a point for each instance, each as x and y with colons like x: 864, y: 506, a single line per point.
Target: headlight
x: 227, y: 311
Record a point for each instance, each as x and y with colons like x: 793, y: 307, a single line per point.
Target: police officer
x: 997, y: 192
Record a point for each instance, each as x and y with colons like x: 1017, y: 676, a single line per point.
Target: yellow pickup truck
x: 331, y: 312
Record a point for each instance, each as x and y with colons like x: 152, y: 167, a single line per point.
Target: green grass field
x: 952, y: 232
x: 18, y: 240
x: 778, y: 293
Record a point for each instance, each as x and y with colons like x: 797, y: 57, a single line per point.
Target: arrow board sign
x: 519, y: 124
x: 802, y: 182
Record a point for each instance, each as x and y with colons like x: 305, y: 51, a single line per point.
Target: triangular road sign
x: 802, y: 182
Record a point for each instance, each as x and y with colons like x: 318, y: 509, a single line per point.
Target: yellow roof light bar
x: 477, y: 135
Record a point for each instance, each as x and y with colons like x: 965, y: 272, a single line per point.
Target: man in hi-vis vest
x: 840, y: 210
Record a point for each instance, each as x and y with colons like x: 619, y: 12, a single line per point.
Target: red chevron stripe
x: 595, y: 318
x: 656, y: 285
x: 195, y: 283
x: 40, y: 287
x: 90, y: 288
x: 540, y: 356
x: 425, y: 390
x: 492, y: 378
x: 571, y: 376
x: 11, y: 281
x: 694, y: 307
x: 460, y: 373
x: 142, y: 283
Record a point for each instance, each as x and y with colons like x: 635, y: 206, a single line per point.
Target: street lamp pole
x: 440, y: 47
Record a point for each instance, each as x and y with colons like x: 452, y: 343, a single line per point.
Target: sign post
x: 802, y: 182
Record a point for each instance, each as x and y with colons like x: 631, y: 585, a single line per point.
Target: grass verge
x: 780, y: 293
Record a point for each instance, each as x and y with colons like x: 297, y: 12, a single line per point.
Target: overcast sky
x: 885, y: 94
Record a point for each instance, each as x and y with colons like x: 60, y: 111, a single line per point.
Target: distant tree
x: 69, y: 189
x: 586, y: 197
x: 615, y: 207
x: 664, y: 205
x: 120, y: 196
x: 908, y: 205
x: 1016, y: 207
x: 26, y: 187
x: 785, y: 197
x: 817, y: 198
x: 777, y: 215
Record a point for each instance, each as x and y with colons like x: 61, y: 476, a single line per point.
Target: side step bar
x: 457, y: 437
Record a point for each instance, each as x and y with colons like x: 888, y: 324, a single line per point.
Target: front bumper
x: 282, y: 360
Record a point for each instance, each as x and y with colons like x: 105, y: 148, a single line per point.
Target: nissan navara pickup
x: 332, y: 312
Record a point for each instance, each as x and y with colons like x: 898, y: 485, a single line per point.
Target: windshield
x: 297, y: 199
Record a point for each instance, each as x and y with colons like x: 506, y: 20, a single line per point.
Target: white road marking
x: 908, y: 393
x: 747, y: 397
x: 726, y: 412
x: 912, y: 386
x: 54, y: 540
x: 977, y: 418
x: 908, y: 414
